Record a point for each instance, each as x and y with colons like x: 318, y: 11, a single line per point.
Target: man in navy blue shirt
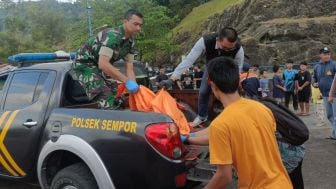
x: 324, y: 72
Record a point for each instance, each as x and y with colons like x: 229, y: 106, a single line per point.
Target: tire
x: 76, y: 176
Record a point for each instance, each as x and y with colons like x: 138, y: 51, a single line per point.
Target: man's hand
x: 330, y: 99
x: 132, y: 86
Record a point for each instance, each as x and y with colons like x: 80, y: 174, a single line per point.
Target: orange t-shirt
x: 244, y: 135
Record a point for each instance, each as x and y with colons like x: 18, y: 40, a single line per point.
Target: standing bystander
x: 303, y: 87
x: 324, y: 72
x: 278, y: 85
x: 255, y: 68
x: 249, y: 83
x: 162, y: 76
x: 186, y: 81
x: 263, y: 80
x: 289, y: 76
x: 198, y: 73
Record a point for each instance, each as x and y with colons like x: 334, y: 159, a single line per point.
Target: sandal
x: 330, y: 138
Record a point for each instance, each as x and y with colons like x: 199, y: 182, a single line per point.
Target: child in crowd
x: 263, y: 80
x: 319, y: 116
x: 278, y: 85
x: 303, y: 87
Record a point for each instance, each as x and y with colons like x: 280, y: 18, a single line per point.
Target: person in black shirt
x: 303, y: 81
x: 198, y: 73
x: 187, y: 80
x: 162, y: 76
x: 223, y: 43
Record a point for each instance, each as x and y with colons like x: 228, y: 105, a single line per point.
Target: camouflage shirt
x: 110, y: 42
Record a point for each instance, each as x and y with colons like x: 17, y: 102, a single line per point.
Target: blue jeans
x: 204, y: 95
x: 330, y: 109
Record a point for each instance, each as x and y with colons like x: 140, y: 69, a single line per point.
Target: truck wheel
x: 76, y: 176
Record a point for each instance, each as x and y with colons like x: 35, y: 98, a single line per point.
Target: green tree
x: 48, y: 28
x: 34, y: 27
x: 48, y: 25
x: 154, y: 43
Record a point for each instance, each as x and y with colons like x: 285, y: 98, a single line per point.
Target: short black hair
x: 290, y: 61
x: 276, y: 68
x: 229, y: 33
x: 261, y: 72
x: 256, y: 65
x: 224, y: 73
x: 129, y: 13
x: 304, y: 63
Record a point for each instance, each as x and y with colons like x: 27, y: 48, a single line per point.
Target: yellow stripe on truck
x: 7, y: 167
x: 2, y: 160
x: 3, y: 147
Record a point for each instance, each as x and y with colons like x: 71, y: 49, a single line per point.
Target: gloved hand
x: 184, y: 138
x: 166, y: 83
x: 132, y: 86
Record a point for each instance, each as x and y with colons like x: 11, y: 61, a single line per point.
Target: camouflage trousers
x: 96, y: 86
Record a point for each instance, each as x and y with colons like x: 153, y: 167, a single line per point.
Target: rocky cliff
x: 272, y: 31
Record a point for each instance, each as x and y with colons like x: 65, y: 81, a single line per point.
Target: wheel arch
x: 66, y: 150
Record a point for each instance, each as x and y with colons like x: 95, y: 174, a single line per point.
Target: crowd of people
x: 190, y: 79
x: 243, y: 136
x: 285, y: 86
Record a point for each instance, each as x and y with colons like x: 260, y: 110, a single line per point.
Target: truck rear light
x: 180, y: 180
x: 165, y: 138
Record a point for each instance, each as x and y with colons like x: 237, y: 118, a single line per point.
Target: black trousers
x: 296, y: 177
x: 294, y: 97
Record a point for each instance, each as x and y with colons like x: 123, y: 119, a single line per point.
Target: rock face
x: 273, y: 31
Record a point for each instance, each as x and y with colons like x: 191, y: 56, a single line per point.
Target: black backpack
x: 293, y: 130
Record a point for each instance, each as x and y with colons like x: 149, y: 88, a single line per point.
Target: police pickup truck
x: 48, y: 128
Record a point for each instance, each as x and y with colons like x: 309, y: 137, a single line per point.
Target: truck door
x: 22, y: 120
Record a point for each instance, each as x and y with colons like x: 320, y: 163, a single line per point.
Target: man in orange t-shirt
x: 242, y: 136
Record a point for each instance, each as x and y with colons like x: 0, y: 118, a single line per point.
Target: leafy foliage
x: 33, y: 27
x: 48, y: 25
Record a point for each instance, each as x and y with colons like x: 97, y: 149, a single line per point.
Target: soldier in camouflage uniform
x: 95, y: 60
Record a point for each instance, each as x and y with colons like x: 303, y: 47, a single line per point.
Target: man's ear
x: 214, y: 89
x: 213, y: 86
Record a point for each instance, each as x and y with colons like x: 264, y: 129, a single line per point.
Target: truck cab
x: 49, y: 128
